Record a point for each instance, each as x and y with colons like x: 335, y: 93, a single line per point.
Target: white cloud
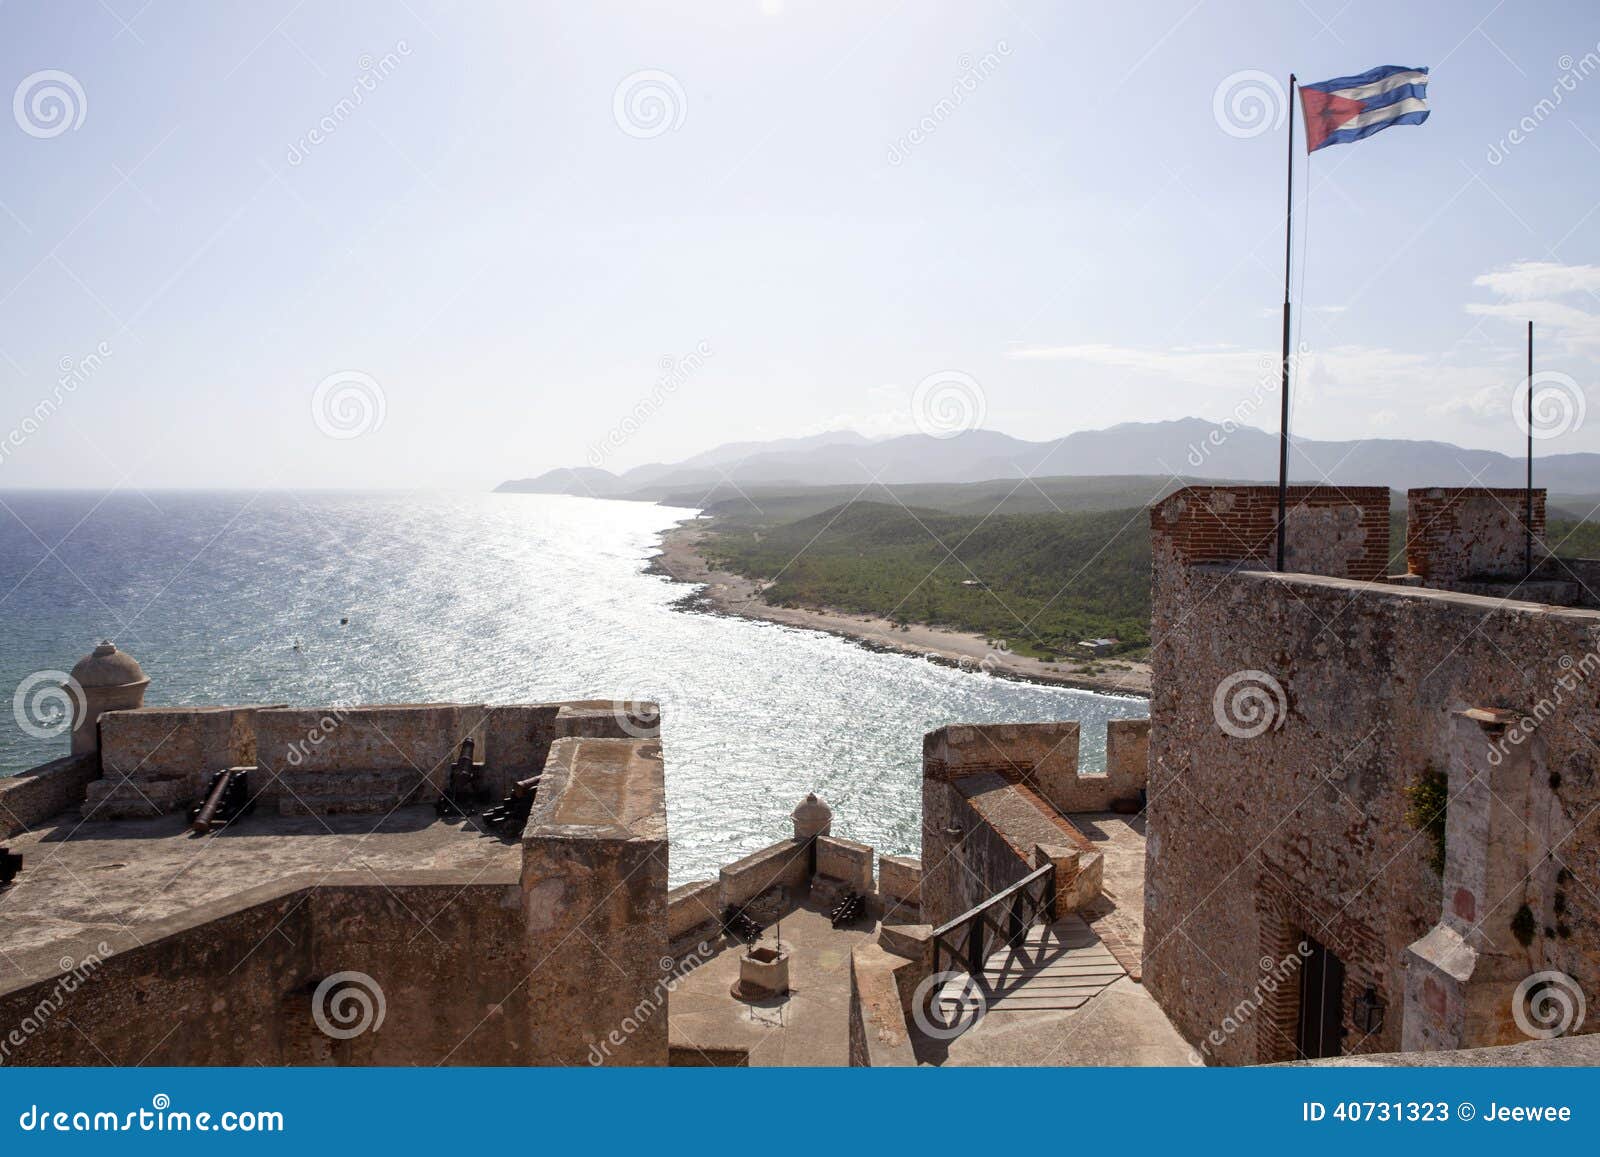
x: 1528, y: 280
x: 1530, y: 291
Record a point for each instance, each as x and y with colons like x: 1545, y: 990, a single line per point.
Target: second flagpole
x: 1283, y: 424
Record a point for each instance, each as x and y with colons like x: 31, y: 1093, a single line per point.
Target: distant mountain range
x: 1191, y: 447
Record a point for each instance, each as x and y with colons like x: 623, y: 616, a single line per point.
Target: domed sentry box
x: 105, y: 679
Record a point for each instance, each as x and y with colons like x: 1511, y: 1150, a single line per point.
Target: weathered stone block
x: 900, y: 879
x: 594, y: 898
x: 693, y: 907
x: 785, y: 864
x: 846, y: 861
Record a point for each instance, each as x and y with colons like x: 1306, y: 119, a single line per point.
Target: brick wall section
x: 1342, y: 531
x: 1471, y: 533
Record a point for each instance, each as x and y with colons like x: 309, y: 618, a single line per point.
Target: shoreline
x: 725, y: 593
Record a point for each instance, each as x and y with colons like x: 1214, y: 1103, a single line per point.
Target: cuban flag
x: 1351, y: 107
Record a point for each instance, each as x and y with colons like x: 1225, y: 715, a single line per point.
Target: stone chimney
x: 105, y: 679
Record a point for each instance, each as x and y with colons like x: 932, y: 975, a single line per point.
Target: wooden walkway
x: 1059, y: 967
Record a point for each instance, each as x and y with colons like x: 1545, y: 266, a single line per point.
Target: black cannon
x: 462, y: 789
x: 508, y: 817
x: 227, y: 798
x: 850, y: 906
x: 736, y: 922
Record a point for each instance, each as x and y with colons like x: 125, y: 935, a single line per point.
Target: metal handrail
x: 970, y: 950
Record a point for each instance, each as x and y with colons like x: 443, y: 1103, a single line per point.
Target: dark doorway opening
x: 1320, y: 1030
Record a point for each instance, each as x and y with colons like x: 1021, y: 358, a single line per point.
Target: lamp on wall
x: 1368, y: 1011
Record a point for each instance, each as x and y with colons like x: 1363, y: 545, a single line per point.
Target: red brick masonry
x: 1239, y: 524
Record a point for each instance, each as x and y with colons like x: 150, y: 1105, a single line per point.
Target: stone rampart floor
x: 83, y: 883
x: 1117, y: 917
x: 809, y: 1027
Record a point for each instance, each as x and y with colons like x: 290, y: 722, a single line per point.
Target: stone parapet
x: 594, y: 900
x: 1045, y: 758
x: 1341, y: 531
x: 1463, y: 534
x: 31, y: 797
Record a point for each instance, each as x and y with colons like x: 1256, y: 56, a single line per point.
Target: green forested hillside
x: 1040, y: 581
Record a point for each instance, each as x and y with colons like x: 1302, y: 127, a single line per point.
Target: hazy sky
x: 494, y: 226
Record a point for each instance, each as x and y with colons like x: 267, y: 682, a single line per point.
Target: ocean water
x: 234, y: 597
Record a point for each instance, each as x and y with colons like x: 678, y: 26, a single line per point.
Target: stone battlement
x: 331, y: 760
x: 1472, y: 534
x: 1331, y: 530
x: 1044, y: 757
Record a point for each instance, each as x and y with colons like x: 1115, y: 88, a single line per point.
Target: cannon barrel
x: 206, y: 817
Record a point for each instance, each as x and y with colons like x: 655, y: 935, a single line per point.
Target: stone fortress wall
x: 479, y: 967
x: 1294, y: 718
x: 335, y: 760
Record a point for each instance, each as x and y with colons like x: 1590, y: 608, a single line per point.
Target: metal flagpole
x: 1528, y: 509
x: 1283, y: 423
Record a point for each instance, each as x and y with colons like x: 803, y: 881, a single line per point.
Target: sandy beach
x: 732, y: 594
